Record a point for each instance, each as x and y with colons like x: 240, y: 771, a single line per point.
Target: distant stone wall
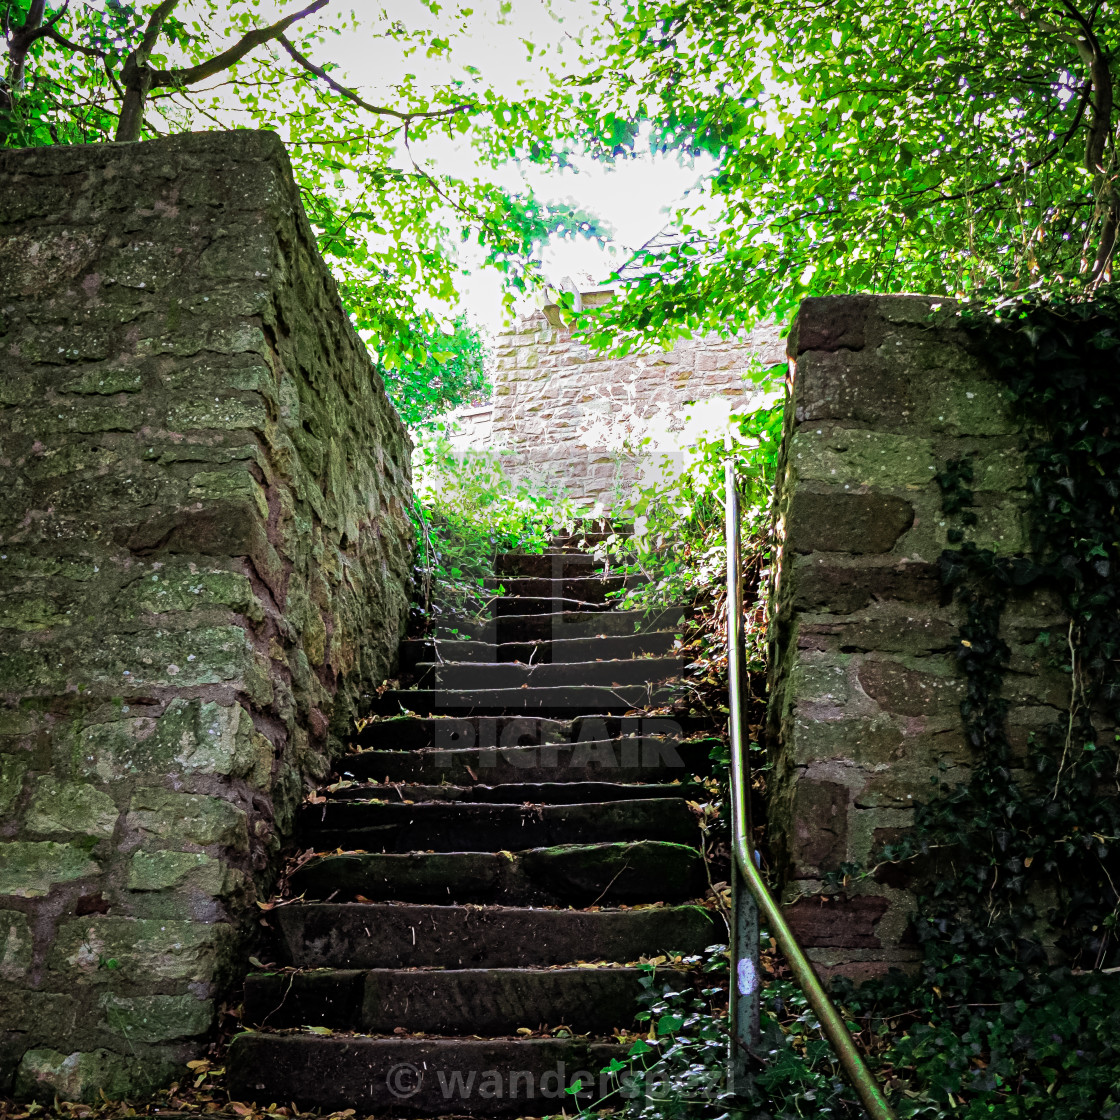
x: 204, y: 553
x: 561, y: 410
x: 864, y: 716
x: 471, y: 427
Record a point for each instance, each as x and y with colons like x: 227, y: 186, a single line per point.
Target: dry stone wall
x: 204, y: 554
x: 562, y: 413
x: 864, y: 715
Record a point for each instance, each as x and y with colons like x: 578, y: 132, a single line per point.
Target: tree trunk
x: 138, y: 82
x: 137, y: 77
x: 19, y: 43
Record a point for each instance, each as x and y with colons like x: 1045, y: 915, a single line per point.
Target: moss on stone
x: 201, y: 820
x: 185, y: 587
x: 71, y: 807
x: 12, y: 771
x: 158, y: 871
x: 190, y: 737
x: 111, y: 950
x: 156, y: 1018
x: 47, y: 1075
x: 30, y: 869
x: 15, y: 945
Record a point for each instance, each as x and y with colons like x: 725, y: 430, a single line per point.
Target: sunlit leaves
x: 390, y: 222
x: 877, y: 144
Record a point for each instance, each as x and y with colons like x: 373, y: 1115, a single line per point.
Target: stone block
x: 830, y: 323
x: 861, y: 741
x: 15, y: 945
x: 232, y: 484
x: 71, y: 807
x: 115, y: 951
x: 847, y: 386
x: 105, y: 380
x: 12, y: 771
x: 178, y: 587
x: 92, y: 1076
x: 166, y: 814
x: 862, y: 457
x: 155, y: 1018
x: 191, y: 737
x: 897, y: 633
x: 38, y: 261
x: 969, y: 407
x: 29, y: 869
x: 163, y: 870
x: 821, y: 584
x: 840, y: 521
x: 37, y: 1015
x: 911, y: 692
x: 820, y: 827
x: 836, y: 922
x: 821, y: 677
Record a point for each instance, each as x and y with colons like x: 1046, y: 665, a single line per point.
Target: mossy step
x: 384, y: 934
x: 409, y: 732
x: 547, y: 701
x: 478, y: 1001
x: 556, y: 565
x: 588, y: 588
x: 450, y: 826
x: 567, y: 875
x: 519, y: 793
x: 417, y: 1077
x: 486, y: 676
x: 505, y: 605
x: 632, y: 759
x: 549, y: 625
x: 654, y: 643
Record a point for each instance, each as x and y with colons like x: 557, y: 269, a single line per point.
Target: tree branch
x: 351, y: 95
x: 1026, y: 169
x: 151, y: 33
x: 188, y: 75
x: 70, y: 45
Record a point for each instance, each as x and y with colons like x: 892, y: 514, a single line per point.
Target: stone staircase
x: 510, y: 838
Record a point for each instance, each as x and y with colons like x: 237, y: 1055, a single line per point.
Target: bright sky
x: 632, y: 197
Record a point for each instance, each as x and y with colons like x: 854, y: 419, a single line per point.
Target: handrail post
x: 743, y: 1002
x: 747, y: 881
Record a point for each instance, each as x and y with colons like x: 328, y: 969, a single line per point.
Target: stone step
x: 462, y: 676
x: 568, y: 875
x: 548, y: 701
x: 504, y: 606
x: 382, y: 826
x: 586, y: 588
x: 647, y: 759
x: 518, y: 793
x: 477, y: 1001
x: 549, y: 565
x: 548, y: 625
x: 418, y: 1077
x: 361, y: 935
x: 417, y: 732
x: 407, y: 733
x: 654, y: 643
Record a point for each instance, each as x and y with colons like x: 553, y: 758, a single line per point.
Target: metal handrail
x: 861, y: 1078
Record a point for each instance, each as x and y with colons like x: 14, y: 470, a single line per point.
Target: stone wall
x: 562, y: 411
x: 204, y: 554
x: 865, y: 692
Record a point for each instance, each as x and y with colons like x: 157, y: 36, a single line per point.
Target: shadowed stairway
x: 490, y: 869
